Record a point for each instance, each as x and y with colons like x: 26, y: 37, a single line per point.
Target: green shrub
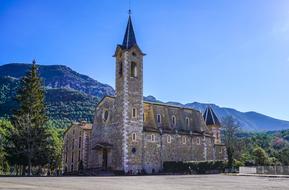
x: 194, y: 167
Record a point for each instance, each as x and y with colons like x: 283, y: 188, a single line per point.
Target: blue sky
x: 231, y: 53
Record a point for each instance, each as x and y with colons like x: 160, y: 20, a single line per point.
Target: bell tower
x: 129, y: 99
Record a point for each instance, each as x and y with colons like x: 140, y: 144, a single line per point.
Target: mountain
x: 60, y: 76
x: 71, y: 96
x: 249, y: 121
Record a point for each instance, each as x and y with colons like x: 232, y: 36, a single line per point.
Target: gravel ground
x: 181, y: 182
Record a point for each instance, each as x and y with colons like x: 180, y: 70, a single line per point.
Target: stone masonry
x: 130, y: 134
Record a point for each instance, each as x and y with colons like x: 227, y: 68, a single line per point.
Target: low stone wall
x: 247, y: 170
x: 272, y: 170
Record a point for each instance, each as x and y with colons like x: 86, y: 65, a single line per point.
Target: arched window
x: 133, y: 112
x: 198, y: 141
x: 187, y: 122
x: 159, y: 118
x: 184, y: 140
x: 169, y: 139
x: 174, y: 120
x: 79, y: 142
x: 134, y: 137
x: 72, y: 157
x: 105, y: 115
x: 153, y: 138
x: 133, y: 69
x: 120, y: 69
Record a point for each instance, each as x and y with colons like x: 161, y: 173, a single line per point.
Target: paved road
x: 190, y: 182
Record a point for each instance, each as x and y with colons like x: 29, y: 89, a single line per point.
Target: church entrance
x: 104, y: 158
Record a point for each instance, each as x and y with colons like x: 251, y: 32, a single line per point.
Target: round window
x: 133, y: 150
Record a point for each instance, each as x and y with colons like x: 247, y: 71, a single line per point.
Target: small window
x: 198, y: 140
x: 120, y: 69
x: 71, y: 168
x: 105, y: 115
x: 66, y: 157
x: 133, y: 69
x: 187, y: 122
x: 78, y: 155
x: 174, y: 120
x: 133, y: 112
x: 184, y: 140
x: 169, y: 139
x: 79, y: 142
x: 134, y: 137
x: 159, y: 118
x: 72, y: 156
x: 153, y: 138
x: 133, y: 53
x: 72, y: 144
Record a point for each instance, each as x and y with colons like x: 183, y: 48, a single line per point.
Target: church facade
x: 130, y: 134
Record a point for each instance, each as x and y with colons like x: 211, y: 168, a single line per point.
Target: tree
x: 5, y: 129
x: 260, y: 156
x: 55, y: 148
x: 283, y: 156
x: 30, y: 138
x: 230, y: 129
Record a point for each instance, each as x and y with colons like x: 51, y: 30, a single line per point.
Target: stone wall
x: 180, y: 147
x: 76, y: 147
x: 106, y: 133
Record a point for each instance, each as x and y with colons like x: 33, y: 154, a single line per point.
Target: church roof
x: 195, y: 125
x: 129, y: 39
x: 210, y: 117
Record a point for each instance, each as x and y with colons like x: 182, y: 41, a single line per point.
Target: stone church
x: 130, y: 134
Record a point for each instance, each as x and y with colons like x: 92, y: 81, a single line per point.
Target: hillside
x: 248, y: 120
x: 71, y: 96
x: 63, y: 105
x: 60, y: 76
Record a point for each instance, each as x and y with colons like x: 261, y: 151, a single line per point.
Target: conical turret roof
x: 210, y: 117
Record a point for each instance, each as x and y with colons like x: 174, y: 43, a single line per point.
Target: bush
x: 194, y: 167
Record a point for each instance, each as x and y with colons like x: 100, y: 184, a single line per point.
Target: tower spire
x: 129, y: 39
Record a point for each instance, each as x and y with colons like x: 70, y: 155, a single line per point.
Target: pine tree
x: 30, y: 138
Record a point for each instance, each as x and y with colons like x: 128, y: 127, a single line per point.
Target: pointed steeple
x: 129, y: 37
x: 210, y: 117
